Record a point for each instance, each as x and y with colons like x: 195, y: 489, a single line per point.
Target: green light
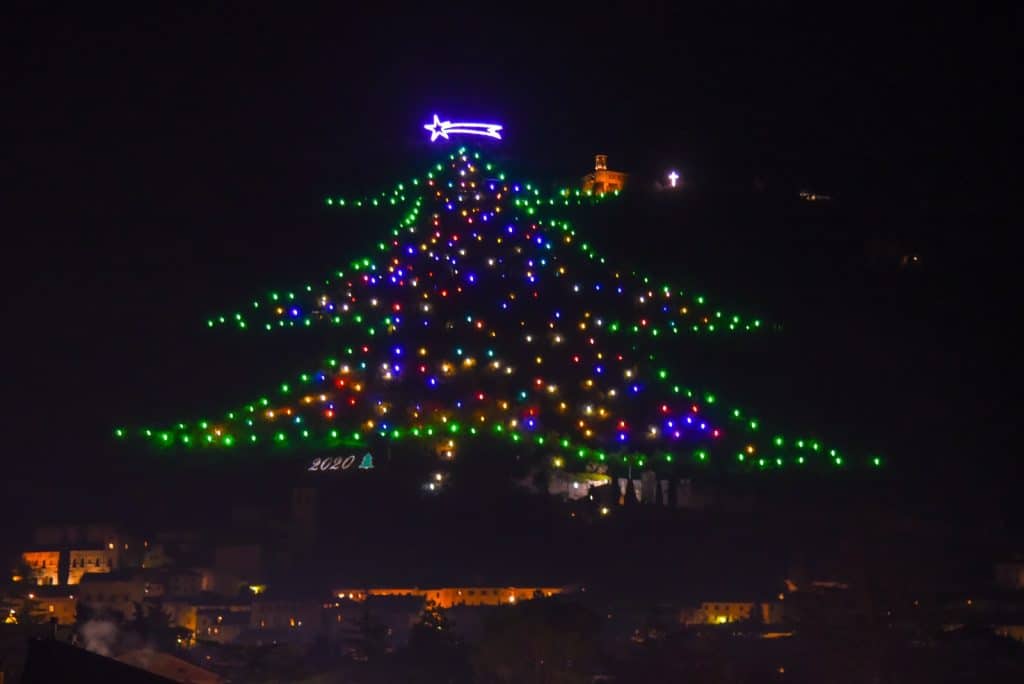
x: 119, y: 432
x: 279, y: 437
x: 779, y: 441
x: 284, y: 388
x: 876, y: 461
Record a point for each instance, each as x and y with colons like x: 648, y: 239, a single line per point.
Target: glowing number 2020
x: 335, y: 463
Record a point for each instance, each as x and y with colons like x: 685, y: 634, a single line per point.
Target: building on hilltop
x: 602, y: 180
x: 446, y: 597
x: 727, y: 612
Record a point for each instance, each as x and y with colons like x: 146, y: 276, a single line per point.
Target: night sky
x: 163, y: 166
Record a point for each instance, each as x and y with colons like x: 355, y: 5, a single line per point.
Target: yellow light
x: 605, y: 510
x: 558, y: 462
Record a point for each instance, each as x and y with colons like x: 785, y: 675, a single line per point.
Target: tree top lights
x: 484, y: 317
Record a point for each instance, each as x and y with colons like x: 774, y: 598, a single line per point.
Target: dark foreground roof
x: 54, y: 662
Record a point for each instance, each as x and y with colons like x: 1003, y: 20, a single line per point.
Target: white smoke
x: 99, y: 636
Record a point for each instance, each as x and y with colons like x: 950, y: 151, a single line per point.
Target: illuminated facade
x: 84, y: 561
x: 602, y: 180
x: 447, y: 597
x: 44, y: 566
x: 727, y: 612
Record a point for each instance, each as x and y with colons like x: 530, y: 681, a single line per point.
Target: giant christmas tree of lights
x: 482, y: 317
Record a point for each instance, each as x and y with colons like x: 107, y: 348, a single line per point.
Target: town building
x: 56, y: 604
x: 447, y: 597
x: 44, y: 567
x: 728, y: 612
x: 112, y: 592
x: 91, y: 561
x: 602, y: 180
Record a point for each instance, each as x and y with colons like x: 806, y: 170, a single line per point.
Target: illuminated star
x: 441, y: 129
x: 438, y: 128
x: 672, y: 176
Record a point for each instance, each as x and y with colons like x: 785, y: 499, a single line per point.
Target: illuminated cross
x: 672, y: 178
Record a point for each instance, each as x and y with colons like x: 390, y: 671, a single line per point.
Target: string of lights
x: 482, y: 318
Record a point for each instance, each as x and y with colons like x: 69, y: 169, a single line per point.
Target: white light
x: 442, y: 128
x: 673, y: 177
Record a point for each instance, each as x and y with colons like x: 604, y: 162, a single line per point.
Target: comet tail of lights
x: 484, y: 316
x: 443, y: 129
